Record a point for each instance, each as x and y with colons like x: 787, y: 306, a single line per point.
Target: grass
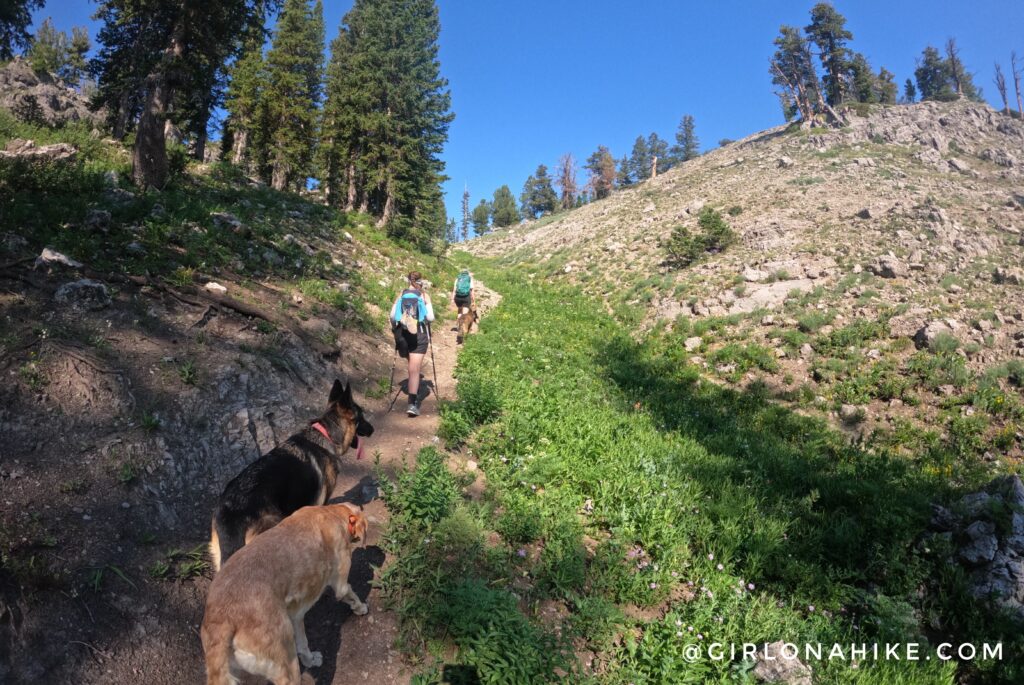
x: 616, y: 477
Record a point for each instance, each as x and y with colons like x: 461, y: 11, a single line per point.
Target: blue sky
x: 534, y: 79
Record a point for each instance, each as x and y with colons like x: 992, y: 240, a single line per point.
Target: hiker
x: 410, y: 322
x: 462, y: 291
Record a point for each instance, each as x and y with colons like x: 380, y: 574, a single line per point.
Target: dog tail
x: 217, y: 639
x: 222, y: 542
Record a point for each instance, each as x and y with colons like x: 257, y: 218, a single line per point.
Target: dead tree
x: 956, y: 67
x: 567, y: 180
x: 1015, y: 70
x: 1001, y: 87
x: 654, y: 166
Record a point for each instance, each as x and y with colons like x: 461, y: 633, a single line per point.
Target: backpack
x: 463, y: 285
x: 410, y: 310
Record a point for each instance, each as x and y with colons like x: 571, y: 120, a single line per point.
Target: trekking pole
x: 391, y: 383
x: 433, y: 363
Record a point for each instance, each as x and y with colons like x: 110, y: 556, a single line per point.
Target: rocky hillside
x: 876, y: 276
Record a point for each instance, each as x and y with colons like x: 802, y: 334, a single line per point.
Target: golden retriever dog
x: 467, y: 317
x: 258, y: 600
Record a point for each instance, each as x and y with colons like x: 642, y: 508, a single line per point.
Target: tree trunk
x: 350, y: 200
x: 279, y: 175
x: 149, y: 156
x: 199, y: 143
x: 241, y: 145
x: 121, y: 122
x: 1015, y: 70
x: 654, y: 166
x: 389, y: 206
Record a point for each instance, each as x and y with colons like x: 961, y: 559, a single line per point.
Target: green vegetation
x: 684, y: 248
x: 617, y: 477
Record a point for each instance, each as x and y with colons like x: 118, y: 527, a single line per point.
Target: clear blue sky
x: 533, y: 79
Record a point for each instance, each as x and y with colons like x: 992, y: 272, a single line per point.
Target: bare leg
x: 415, y: 362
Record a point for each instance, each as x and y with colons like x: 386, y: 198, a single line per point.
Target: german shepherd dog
x: 300, y: 472
x: 467, y: 317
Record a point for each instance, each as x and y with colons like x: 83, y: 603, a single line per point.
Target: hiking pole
x: 433, y: 362
x: 391, y: 383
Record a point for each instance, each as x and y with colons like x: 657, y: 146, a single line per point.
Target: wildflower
x: 711, y: 557
x: 720, y: 567
x: 810, y: 607
x: 679, y: 622
x: 689, y: 628
x: 699, y: 636
x: 750, y: 586
x: 675, y: 575
x: 521, y: 552
x: 654, y: 586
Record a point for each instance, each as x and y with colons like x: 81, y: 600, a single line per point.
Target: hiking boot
x: 414, y: 409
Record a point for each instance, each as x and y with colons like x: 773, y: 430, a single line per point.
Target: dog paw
x: 312, y: 660
x: 361, y: 608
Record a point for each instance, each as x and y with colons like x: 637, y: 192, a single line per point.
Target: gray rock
x: 785, y: 162
x: 97, y: 219
x: 774, y: 666
x: 50, y: 257
x: 959, y: 165
x: 227, y: 220
x: 982, y: 543
x: 83, y: 294
x: 942, y: 519
x: 926, y: 336
x: 31, y: 94
x: 27, y: 150
x: 889, y: 266
x: 693, y: 343
x: 851, y: 413
x: 974, y: 504
x: 1008, y: 275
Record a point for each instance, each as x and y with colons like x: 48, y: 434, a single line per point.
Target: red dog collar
x: 323, y: 431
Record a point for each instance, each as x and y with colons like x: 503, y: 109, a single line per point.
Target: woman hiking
x: 410, y: 322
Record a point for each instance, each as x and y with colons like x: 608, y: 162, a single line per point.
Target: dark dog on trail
x: 298, y: 473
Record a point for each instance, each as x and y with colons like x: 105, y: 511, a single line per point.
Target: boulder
x: 27, y: 150
x: 83, y: 294
x: 37, y: 96
x: 888, y: 266
x: 925, y: 337
x: 777, y: 663
x: 693, y: 343
x: 50, y: 257
x: 1008, y: 275
x: 785, y: 162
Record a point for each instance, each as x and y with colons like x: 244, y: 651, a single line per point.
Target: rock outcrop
x: 37, y: 96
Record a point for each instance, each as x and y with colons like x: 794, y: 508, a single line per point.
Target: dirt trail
x: 365, y: 652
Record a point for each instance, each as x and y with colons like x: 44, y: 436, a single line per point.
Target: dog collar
x: 323, y: 431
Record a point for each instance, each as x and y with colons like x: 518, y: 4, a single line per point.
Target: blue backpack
x: 410, y: 310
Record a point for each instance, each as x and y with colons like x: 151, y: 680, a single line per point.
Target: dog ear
x: 337, y: 391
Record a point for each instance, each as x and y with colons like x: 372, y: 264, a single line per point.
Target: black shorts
x: 406, y: 342
x: 461, y: 302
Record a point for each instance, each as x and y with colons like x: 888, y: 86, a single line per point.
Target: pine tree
x: 885, y: 87
x: 465, y: 213
x: 793, y: 71
x: 657, y: 151
x: 77, y: 64
x: 827, y: 31
x: 687, y: 145
x: 931, y: 76
x: 640, y: 160
x: 15, y: 18
x: 624, y: 175
x: 294, y: 74
x: 601, y: 168
x: 538, y: 196
x: 49, y: 49
x: 566, y: 182
x: 481, y: 217
x: 503, y: 208
x: 909, y: 92
x: 393, y: 114
x: 861, y: 80
x: 170, y: 42
x: 244, y: 99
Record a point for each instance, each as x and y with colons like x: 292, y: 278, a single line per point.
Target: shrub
x: 426, y: 494
x: 685, y: 248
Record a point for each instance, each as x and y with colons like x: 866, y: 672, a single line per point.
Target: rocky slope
x: 857, y: 247
x: 42, y: 98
